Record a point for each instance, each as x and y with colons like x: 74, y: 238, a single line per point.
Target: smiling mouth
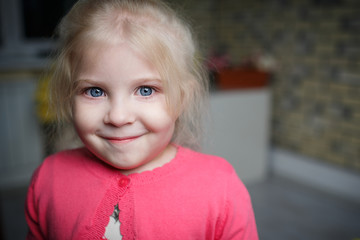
x: 121, y: 140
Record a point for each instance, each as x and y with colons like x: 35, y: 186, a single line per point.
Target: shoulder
x: 206, y: 162
x: 61, y: 165
x: 65, y: 159
x: 215, y: 170
x: 64, y: 173
x: 212, y: 170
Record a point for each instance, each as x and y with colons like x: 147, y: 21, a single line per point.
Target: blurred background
x: 285, y: 106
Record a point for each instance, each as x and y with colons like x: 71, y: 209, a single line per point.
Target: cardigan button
x: 124, y: 181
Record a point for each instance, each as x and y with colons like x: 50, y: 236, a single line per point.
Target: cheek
x: 85, y: 116
x: 161, y: 121
x: 80, y: 123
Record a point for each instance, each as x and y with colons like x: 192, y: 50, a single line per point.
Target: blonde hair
x: 153, y: 29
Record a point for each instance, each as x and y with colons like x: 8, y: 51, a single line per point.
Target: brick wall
x: 316, y: 87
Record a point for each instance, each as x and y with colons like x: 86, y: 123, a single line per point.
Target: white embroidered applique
x: 112, y: 230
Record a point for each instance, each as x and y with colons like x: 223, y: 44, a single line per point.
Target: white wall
x: 238, y: 130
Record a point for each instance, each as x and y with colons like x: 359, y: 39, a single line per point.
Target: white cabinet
x: 238, y: 130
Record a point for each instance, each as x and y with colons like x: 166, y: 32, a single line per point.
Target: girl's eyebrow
x: 85, y: 81
x: 149, y: 80
x: 139, y: 81
x: 81, y: 80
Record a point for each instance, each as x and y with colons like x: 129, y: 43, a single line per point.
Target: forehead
x: 115, y: 60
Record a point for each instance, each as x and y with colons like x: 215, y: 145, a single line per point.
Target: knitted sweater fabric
x: 73, y: 195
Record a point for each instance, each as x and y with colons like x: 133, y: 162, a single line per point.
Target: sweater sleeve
x: 238, y: 221
x: 31, y: 211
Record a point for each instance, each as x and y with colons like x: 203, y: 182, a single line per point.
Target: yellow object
x: 42, y: 101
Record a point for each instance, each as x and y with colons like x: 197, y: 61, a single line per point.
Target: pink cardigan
x: 196, y: 196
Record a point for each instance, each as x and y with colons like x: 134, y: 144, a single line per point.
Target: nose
x: 119, y: 113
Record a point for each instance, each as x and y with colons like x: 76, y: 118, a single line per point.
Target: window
x: 26, y: 30
x: 40, y: 17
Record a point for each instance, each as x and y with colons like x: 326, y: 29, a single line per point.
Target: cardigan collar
x: 105, y: 171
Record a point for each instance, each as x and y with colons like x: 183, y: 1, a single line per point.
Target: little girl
x: 128, y: 79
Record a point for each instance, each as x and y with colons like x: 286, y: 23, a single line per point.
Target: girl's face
x: 120, y: 110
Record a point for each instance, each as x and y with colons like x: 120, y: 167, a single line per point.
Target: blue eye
x: 145, y: 91
x: 95, y: 92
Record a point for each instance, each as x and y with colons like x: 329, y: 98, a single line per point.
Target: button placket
x: 123, y: 182
x: 123, y: 185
